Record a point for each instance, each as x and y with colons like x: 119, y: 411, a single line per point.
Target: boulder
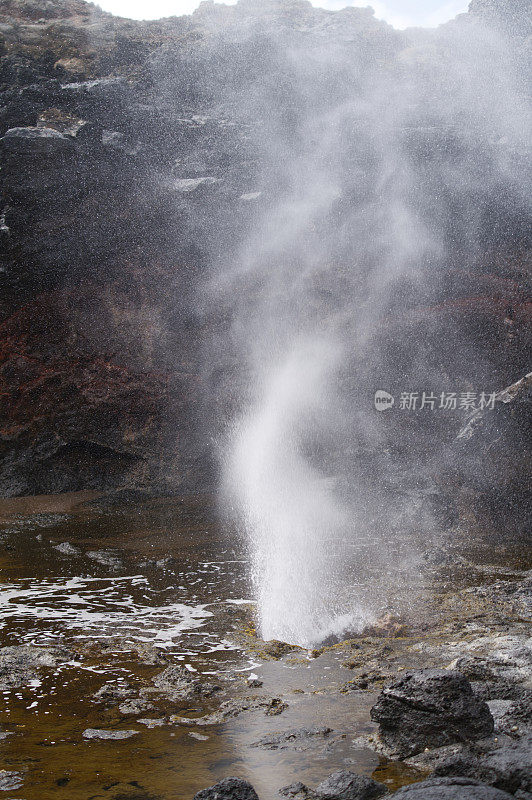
x: 228, y: 789
x: 341, y: 785
x: 296, y: 790
x: 505, y: 765
x: 430, y: 708
x: 345, y: 785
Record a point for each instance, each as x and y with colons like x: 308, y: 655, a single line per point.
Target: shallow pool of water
x: 127, y: 591
x: 112, y: 586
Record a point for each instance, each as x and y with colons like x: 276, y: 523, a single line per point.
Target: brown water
x: 172, y: 582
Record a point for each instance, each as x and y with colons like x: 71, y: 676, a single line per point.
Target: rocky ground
x: 447, y: 702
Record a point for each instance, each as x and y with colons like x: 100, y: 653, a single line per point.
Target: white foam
x: 96, y: 607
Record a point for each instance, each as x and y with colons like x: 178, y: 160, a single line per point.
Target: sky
x: 399, y: 13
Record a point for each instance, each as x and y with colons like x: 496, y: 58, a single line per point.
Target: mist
x: 382, y: 155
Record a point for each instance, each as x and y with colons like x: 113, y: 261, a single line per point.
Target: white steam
x: 380, y: 153
x: 289, y: 507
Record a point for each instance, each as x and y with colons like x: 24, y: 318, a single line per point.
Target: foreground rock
x: 177, y: 683
x: 97, y: 733
x: 501, y: 763
x: 228, y: 789
x: 10, y: 780
x: 342, y: 785
x: 430, y: 708
x: 295, y: 738
x: 20, y: 664
x: 451, y: 789
x: 345, y: 785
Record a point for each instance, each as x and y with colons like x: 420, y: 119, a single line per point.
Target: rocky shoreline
x: 465, y: 720
x: 447, y: 701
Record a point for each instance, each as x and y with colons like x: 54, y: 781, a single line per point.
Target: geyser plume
x: 384, y: 157
x: 289, y: 508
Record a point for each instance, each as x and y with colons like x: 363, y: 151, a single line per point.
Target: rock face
x: 430, y: 708
x: 228, y: 789
x: 451, y: 789
x: 135, y: 159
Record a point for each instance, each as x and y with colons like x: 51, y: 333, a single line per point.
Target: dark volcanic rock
x: 296, y: 790
x: 135, y: 706
x: 430, y: 708
x: 345, y: 785
x: 342, y: 785
x: 508, y: 767
x: 228, y: 789
x: 504, y: 764
x: 177, y: 683
x: 114, y: 693
x: 451, y: 789
x: 297, y: 738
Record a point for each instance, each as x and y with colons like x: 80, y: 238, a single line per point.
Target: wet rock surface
x: 430, y: 708
x: 97, y: 733
x: 341, y: 785
x: 228, y: 789
x: 453, y: 789
x: 19, y: 665
x: 297, y: 738
x: 345, y: 785
x: 177, y: 683
x: 10, y: 780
